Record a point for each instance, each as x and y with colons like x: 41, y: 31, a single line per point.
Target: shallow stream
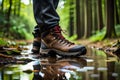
x: 95, y: 65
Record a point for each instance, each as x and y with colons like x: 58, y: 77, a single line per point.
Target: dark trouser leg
x: 37, y: 6
x: 45, y: 13
x: 55, y: 3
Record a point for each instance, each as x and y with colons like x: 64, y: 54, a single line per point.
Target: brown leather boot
x: 37, y: 43
x: 53, y: 40
x: 37, y: 40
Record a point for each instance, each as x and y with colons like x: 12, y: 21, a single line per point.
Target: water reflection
x: 9, y: 73
x: 59, y: 68
x: 95, y: 65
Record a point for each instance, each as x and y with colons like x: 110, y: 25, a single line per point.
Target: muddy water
x: 95, y: 65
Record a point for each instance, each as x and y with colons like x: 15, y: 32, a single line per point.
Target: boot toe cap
x: 79, y: 48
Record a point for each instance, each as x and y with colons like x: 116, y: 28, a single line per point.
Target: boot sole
x: 60, y: 53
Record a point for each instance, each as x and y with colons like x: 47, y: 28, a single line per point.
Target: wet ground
x: 95, y: 65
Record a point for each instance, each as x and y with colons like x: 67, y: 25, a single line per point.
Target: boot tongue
x: 57, y: 30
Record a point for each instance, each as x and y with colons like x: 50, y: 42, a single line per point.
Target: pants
x: 45, y: 13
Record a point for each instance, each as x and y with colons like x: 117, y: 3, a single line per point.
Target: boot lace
x: 56, y: 32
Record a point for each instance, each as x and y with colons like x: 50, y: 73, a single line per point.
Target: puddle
x: 95, y: 65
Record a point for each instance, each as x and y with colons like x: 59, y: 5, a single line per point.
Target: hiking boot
x: 37, y: 40
x: 37, y: 43
x: 53, y: 40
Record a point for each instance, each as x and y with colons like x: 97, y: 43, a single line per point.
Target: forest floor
x: 110, y: 46
x: 105, y: 45
x: 87, y: 42
x: 98, y: 44
x: 101, y: 45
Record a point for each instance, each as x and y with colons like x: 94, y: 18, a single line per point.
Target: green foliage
x: 15, y: 52
x: 7, y: 43
x: 2, y: 24
x: 27, y: 14
x: 64, y: 14
x: 63, y: 11
x: 11, y: 47
x: 72, y: 38
x: 3, y: 42
x: 117, y: 28
x: 2, y: 19
x: 20, y: 27
x: 99, y: 35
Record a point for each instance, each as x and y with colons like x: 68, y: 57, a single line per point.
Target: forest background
x: 95, y: 20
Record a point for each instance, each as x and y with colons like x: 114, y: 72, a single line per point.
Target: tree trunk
x: 119, y: 9
x: 15, y: 6
x: 2, y: 6
x: 78, y: 27
x: 19, y: 7
x: 110, y: 30
x: 82, y: 16
x: 117, y: 14
x: 8, y: 18
x: 88, y: 19
x: 71, y: 20
x: 100, y: 16
x: 9, y: 11
x: 95, y: 15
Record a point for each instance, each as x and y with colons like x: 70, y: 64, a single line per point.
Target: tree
x: 71, y: 18
x: 19, y: 7
x: 78, y: 29
x: 88, y: 18
x: 82, y: 17
x: 117, y: 13
x: 95, y: 15
x: 2, y: 5
x: 100, y: 16
x: 15, y: 7
x: 8, y: 17
x: 9, y: 11
x: 110, y: 31
x: 119, y: 9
